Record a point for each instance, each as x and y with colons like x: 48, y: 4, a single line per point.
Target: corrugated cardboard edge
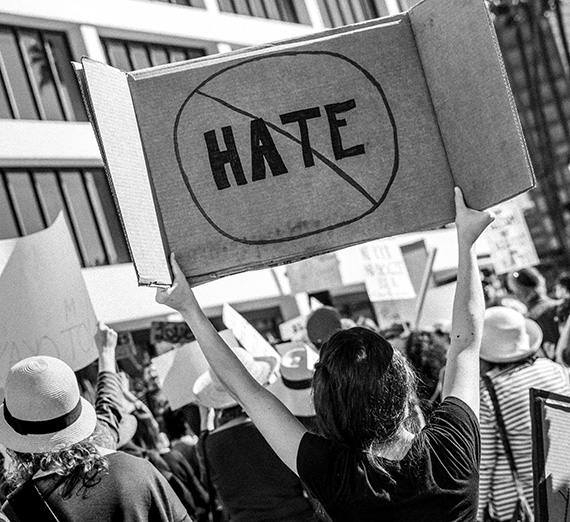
x: 110, y: 108
x: 446, y: 31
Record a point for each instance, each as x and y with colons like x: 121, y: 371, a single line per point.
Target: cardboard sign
x: 295, y: 329
x: 170, y: 332
x: 315, y: 274
x: 45, y: 309
x: 550, y: 415
x: 179, y: 368
x: 386, y: 272
x: 510, y: 242
x: 281, y: 152
x: 246, y: 334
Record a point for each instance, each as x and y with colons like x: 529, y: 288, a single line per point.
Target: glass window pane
x: 49, y: 194
x: 24, y: 198
x: 158, y: 55
x: 287, y: 11
x: 226, y: 6
x: 69, y: 88
x: 194, y: 53
x: 17, y: 75
x: 82, y: 216
x: 5, y: 111
x: 139, y: 56
x: 242, y: 7
x: 272, y: 10
x: 8, y: 227
x: 257, y: 8
x: 117, y: 55
x: 176, y: 55
x: 43, y: 77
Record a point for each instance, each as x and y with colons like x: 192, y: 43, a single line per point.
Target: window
x: 37, y: 81
x: 189, y: 3
x: 343, y: 12
x: 30, y: 200
x: 293, y: 11
x: 130, y: 56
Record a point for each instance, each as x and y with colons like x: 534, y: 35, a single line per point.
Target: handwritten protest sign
x: 246, y: 334
x: 386, y: 272
x: 45, y: 309
x: 294, y: 329
x: 281, y: 152
x: 550, y: 415
x: 179, y: 368
x: 510, y: 242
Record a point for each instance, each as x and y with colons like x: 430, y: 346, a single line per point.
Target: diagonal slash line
x: 324, y: 159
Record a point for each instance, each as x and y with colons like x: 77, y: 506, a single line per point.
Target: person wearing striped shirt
x: 508, y: 356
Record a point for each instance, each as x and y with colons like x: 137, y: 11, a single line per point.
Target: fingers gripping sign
x: 179, y: 294
x: 470, y: 223
x: 105, y: 338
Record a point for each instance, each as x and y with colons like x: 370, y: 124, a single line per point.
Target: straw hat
x: 293, y: 388
x: 322, y: 323
x: 42, y: 410
x: 210, y: 392
x: 508, y: 336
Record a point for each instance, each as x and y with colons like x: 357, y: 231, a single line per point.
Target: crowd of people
x: 358, y: 424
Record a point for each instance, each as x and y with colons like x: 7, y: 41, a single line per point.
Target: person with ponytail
x: 371, y: 461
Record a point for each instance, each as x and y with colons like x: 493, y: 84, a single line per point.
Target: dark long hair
x: 364, y: 391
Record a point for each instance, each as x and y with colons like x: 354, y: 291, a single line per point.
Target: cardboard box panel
x: 112, y: 114
x: 475, y: 108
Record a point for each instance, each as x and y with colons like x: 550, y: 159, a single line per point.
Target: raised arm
x: 275, y: 422
x: 462, y: 368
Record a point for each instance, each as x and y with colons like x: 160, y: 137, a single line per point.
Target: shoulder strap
x: 205, y: 469
x: 503, y: 433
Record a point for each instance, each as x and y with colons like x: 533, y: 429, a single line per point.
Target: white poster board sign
x: 295, y: 329
x: 510, y: 242
x: 45, y: 309
x: 315, y: 274
x: 178, y: 370
x: 246, y: 334
x: 386, y: 273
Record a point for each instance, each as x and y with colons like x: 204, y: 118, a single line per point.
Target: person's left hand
x: 179, y: 295
x: 105, y: 338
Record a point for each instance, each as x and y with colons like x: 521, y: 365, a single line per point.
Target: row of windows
x: 30, y: 200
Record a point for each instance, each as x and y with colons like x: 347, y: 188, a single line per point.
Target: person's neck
x: 398, y: 448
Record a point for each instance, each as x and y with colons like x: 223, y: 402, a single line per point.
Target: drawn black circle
x: 367, y: 75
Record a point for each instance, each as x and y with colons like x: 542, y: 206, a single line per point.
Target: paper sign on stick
x: 550, y: 415
x: 281, y: 152
x: 510, y: 242
x: 246, y: 334
x: 46, y: 309
x: 178, y: 370
x: 315, y: 274
x: 386, y: 272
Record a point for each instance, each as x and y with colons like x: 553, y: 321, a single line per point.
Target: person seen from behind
x: 371, y: 463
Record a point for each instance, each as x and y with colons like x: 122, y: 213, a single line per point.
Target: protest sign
x: 386, y: 272
x: 246, y: 334
x: 294, y: 329
x: 314, y: 274
x: 550, y: 415
x: 281, y: 152
x: 510, y: 242
x: 179, y: 368
x: 46, y: 308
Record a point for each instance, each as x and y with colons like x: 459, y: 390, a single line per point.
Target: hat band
x: 297, y: 385
x: 24, y: 427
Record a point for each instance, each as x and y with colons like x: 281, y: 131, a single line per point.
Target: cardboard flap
x: 476, y: 112
x: 111, y: 111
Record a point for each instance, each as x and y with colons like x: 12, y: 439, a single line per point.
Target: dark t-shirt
x: 444, y: 489
x: 132, y: 491
x: 253, y: 483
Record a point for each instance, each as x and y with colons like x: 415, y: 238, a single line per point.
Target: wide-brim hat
x: 294, y: 387
x: 42, y: 410
x: 210, y: 392
x: 508, y: 336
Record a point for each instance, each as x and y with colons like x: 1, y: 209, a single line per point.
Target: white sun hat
x: 508, y: 336
x: 42, y: 410
x: 293, y: 388
x: 210, y: 392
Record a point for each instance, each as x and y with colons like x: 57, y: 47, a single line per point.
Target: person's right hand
x: 179, y: 294
x: 470, y: 223
x: 105, y: 338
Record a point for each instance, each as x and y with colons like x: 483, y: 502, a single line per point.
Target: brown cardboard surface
x: 114, y: 119
x: 475, y: 108
x: 365, y: 160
